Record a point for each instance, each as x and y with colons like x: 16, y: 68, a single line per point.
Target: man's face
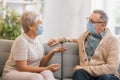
x: 95, y: 19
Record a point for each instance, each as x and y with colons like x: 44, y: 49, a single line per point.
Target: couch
x: 67, y: 59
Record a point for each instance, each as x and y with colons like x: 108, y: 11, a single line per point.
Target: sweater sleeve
x: 63, y: 39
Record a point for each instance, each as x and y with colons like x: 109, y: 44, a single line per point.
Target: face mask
x: 91, y: 27
x: 40, y: 29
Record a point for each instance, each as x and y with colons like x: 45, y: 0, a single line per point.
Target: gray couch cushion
x: 55, y: 59
x: 70, y: 59
x: 5, y: 46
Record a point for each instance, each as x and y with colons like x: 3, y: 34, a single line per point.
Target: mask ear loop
x: 103, y: 24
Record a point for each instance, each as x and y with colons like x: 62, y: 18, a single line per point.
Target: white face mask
x: 40, y: 29
x: 91, y: 27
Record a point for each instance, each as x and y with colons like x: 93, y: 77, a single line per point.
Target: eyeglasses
x: 91, y: 21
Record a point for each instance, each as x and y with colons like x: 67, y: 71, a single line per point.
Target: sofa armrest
x: 5, y: 47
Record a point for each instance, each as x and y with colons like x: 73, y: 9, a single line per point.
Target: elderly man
x: 98, y: 50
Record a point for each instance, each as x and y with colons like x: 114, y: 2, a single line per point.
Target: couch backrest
x: 56, y: 59
x: 70, y: 59
x: 5, y: 47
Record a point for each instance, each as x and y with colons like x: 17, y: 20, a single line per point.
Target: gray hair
x: 103, y: 15
x: 29, y: 18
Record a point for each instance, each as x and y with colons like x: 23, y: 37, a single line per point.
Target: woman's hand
x: 54, y: 67
x: 47, y: 58
x: 53, y: 41
x: 59, y: 49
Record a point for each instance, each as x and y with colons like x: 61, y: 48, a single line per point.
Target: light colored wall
x: 65, y: 18
x: 62, y: 17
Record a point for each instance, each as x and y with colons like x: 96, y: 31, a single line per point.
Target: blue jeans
x: 84, y: 75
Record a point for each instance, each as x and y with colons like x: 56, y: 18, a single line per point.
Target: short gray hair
x: 29, y: 18
x: 103, y: 15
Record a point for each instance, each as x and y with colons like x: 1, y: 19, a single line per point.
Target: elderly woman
x: 26, y: 60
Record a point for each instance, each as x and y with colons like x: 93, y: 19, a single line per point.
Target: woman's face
x: 33, y: 28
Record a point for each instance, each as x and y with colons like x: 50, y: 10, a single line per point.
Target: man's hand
x: 59, y: 49
x: 54, y: 67
x: 53, y: 41
x: 77, y: 68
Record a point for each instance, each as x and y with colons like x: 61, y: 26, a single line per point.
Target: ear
x: 103, y: 24
x: 30, y: 26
